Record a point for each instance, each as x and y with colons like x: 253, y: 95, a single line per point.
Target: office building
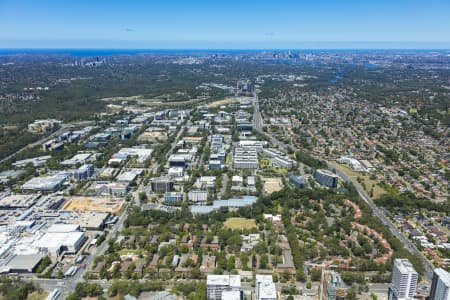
x: 326, y: 178
x: 84, y: 172
x: 172, y: 197
x: 298, y: 181
x: 253, y: 144
x: 80, y: 158
x: 198, y: 195
x: 440, y: 286
x: 244, y: 125
x: 404, y: 280
x: 179, y: 160
x: 217, y: 284
x: 231, y: 295
x: 215, y: 164
x: 218, y: 204
x: 175, y: 172
x: 278, y: 158
x: 265, y: 288
x: 245, y: 158
x: 162, y: 184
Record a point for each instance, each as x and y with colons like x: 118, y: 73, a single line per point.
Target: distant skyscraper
x: 440, y: 287
x: 404, y: 280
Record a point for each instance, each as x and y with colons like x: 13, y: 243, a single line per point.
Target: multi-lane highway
x: 60, y: 131
x: 257, y: 120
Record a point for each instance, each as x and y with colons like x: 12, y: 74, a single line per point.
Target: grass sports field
x: 240, y: 223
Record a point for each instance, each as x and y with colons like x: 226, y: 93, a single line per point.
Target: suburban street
x: 68, y: 284
x: 258, y: 123
x: 386, y: 221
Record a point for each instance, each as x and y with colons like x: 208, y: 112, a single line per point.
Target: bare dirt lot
x: 272, y: 185
x: 102, y: 204
x: 228, y: 101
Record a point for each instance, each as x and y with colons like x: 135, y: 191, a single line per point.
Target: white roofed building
x: 265, y: 288
x: 216, y: 285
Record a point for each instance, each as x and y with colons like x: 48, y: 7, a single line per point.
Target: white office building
x: 265, y: 288
x: 176, y: 172
x: 231, y: 295
x: 440, y: 287
x: 217, y: 284
x: 404, y: 280
x: 245, y: 158
x: 198, y: 195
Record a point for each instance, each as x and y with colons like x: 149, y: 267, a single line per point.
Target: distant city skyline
x: 322, y: 24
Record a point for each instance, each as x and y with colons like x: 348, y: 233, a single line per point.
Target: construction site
x: 99, y: 204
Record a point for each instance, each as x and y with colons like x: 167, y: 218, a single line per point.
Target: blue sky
x: 225, y: 24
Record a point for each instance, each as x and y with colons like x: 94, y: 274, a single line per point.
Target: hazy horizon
x: 319, y: 45
x: 287, y: 24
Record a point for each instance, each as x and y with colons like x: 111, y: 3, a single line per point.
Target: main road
x: 258, y: 124
x: 386, y: 221
x: 68, y: 284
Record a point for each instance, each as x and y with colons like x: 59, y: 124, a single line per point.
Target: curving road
x: 386, y: 221
x: 257, y: 123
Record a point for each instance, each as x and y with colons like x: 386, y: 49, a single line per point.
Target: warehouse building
x: 35, y: 162
x: 8, y: 175
x: 15, y: 201
x: 129, y: 175
x: 22, y: 264
x: 80, y: 158
x: 142, y: 154
x: 61, y: 238
x: 49, y: 183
